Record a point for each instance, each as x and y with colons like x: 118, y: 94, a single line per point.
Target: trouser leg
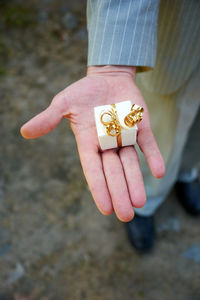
x: 171, y: 118
x: 190, y: 163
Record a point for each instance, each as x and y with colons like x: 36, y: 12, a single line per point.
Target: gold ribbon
x: 135, y: 116
x: 113, y: 126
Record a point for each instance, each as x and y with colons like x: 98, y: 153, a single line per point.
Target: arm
x: 122, y: 32
x: 114, y: 177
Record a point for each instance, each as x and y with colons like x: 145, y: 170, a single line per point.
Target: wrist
x: 111, y: 70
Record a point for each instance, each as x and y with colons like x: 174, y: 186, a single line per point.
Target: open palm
x: 114, y: 176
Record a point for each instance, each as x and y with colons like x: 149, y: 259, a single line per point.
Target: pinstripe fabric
x: 178, y: 51
x: 118, y: 31
x: 124, y: 32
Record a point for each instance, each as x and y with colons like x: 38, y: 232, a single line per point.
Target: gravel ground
x: 54, y: 244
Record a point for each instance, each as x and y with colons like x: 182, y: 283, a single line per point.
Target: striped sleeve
x: 122, y: 32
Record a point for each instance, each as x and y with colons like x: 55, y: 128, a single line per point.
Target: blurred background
x: 54, y: 244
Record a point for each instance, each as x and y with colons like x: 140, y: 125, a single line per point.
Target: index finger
x: 93, y: 170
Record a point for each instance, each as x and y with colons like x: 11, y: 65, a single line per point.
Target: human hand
x: 114, y: 176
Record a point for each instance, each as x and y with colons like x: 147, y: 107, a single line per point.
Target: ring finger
x: 133, y: 174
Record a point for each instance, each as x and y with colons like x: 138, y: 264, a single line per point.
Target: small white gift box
x: 128, y: 134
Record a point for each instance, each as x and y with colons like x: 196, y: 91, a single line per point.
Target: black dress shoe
x: 189, y: 196
x: 141, y: 233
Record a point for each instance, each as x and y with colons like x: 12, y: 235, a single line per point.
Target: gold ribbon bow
x: 113, y: 126
x: 134, y: 116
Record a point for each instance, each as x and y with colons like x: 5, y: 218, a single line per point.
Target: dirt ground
x: 54, y: 244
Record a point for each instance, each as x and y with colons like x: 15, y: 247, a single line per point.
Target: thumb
x: 47, y: 120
